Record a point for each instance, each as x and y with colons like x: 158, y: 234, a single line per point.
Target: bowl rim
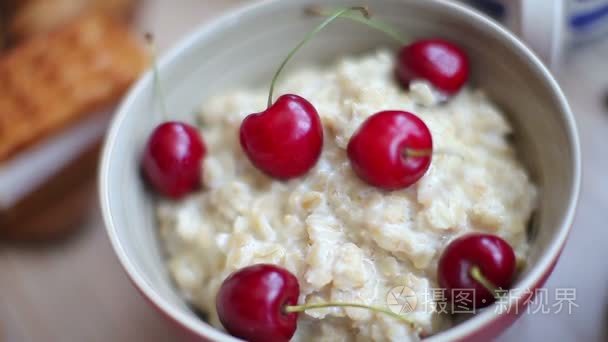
x: 538, y: 272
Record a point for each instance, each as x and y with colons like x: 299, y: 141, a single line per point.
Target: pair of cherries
x: 391, y: 150
x: 259, y: 303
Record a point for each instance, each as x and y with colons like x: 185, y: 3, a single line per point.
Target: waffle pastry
x: 54, y: 79
x: 32, y: 17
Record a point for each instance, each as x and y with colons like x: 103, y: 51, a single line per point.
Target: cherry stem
x: 375, y: 24
x: 156, y: 74
x: 417, y: 153
x: 480, y: 278
x: 302, y: 308
x: 426, y: 152
x: 307, y: 38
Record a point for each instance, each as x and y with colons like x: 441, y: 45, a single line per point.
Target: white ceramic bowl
x: 245, y: 46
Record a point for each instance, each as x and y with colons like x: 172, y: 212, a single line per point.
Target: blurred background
x: 64, y: 64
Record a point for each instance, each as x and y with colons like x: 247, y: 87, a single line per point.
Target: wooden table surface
x: 77, y: 291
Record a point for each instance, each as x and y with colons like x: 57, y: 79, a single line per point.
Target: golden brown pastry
x: 33, y: 17
x: 54, y: 79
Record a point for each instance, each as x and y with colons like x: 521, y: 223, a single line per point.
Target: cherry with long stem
x: 442, y: 63
x: 175, y: 150
x: 289, y: 126
x: 259, y: 303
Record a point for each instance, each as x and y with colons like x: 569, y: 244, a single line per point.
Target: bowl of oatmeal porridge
x: 508, y: 165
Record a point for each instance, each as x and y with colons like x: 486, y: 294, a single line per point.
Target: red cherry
x: 285, y: 140
x: 492, y: 255
x: 443, y: 64
x: 259, y: 303
x: 172, y: 159
x: 251, y: 303
x: 391, y: 149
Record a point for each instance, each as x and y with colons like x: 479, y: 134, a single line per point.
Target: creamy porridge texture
x: 345, y: 240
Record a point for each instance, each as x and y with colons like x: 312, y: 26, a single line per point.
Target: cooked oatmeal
x: 345, y: 240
